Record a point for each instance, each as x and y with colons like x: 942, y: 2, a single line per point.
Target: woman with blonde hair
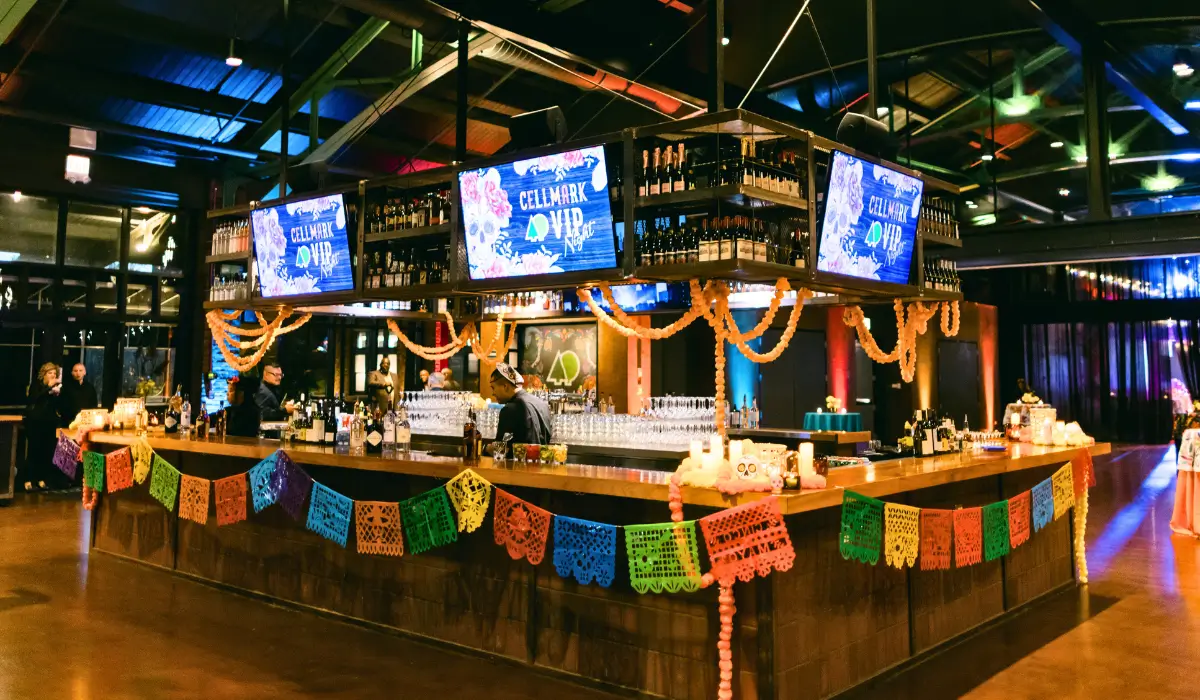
x: 43, y: 415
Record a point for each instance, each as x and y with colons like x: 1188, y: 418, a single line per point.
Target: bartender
x: 270, y: 395
x: 381, y: 385
x: 525, y: 416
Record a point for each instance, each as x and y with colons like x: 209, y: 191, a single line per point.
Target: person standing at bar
x: 244, y: 414
x: 381, y: 384
x: 524, y: 415
x: 450, y: 383
x: 77, y: 394
x: 43, y: 416
x: 269, y: 396
x: 424, y: 380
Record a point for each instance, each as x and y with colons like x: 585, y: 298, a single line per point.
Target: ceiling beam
x: 317, y: 82
x: 1073, y: 30
x: 11, y: 14
x: 407, y: 88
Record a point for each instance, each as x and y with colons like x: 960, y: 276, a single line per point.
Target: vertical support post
x: 285, y: 98
x: 418, y: 50
x: 314, y: 119
x: 872, y: 63
x: 460, y: 113
x: 716, y: 55
x: 1095, y: 116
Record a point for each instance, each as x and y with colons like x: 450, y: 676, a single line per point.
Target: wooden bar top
x: 878, y: 480
x: 840, y: 437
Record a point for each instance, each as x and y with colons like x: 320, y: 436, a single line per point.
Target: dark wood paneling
x: 1046, y: 561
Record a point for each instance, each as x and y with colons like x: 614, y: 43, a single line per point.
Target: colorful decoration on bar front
x: 747, y: 540
x: 968, y: 536
x: 119, y: 470
x: 937, y: 540
x: 93, y: 470
x: 142, y: 456
x: 995, y: 530
x: 193, y: 498
x: 329, y: 514
x: 663, y: 558
x: 292, y: 485
x: 902, y: 536
x: 471, y: 494
x: 164, y: 482
x: 231, y: 499
x: 1019, y: 514
x: 585, y: 550
x: 1043, y: 504
x: 66, y: 456
x: 521, y: 527
x: 862, y: 527
x: 428, y: 521
x: 263, y: 486
x: 377, y: 526
x: 1063, y: 488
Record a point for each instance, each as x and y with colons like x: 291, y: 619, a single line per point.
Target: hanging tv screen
x: 303, y: 247
x: 538, y: 216
x: 870, y: 224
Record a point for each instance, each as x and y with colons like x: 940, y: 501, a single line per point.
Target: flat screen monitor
x: 302, y: 247
x: 538, y: 216
x: 870, y: 223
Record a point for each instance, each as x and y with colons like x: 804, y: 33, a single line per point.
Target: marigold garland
x: 949, y: 329
x: 442, y: 352
x: 267, y: 333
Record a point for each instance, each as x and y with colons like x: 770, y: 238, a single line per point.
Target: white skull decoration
x: 747, y: 467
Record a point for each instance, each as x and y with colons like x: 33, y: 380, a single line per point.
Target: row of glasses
x: 436, y: 412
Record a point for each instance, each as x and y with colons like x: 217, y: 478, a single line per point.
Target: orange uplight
x: 987, y: 361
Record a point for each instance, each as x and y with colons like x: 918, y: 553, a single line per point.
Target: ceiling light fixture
x: 881, y: 111
x: 233, y: 61
x: 1183, y: 66
x: 724, y: 41
x: 972, y: 205
x: 143, y: 210
x: 1057, y: 144
x: 1064, y: 192
x: 986, y: 157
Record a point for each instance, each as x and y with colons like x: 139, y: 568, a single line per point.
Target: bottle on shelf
x: 643, y: 175
x: 754, y: 414
x: 373, y: 430
x: 174, y: 410
x: 470, y: 439
x: 683, y: 175
x: 654, y: 178
x: 403, y: 433
x: 667, y: 180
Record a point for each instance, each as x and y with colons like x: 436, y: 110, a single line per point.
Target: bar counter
x: 813, y: 631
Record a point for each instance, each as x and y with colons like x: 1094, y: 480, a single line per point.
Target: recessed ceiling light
x: 724, y: 41
x: 1183, y: 69
x: 972, y: 205
x: 1064, y: 192
x: 986, y: 157
x: 233, y: 61
x: 881, y: 111
x: 1056, y: 144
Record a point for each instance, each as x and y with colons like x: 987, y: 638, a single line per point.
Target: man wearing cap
x: 524, y: 415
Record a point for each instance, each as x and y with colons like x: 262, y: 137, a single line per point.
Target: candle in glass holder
x: 806, y: 458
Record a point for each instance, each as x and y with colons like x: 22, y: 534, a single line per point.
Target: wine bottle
x: 642, y: 175
x: 403, y: 433
x: 171, y: 421
x: 681, y: 176
x: 655, y: 174
x: 668, y: 171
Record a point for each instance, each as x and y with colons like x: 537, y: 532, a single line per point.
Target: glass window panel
x: 155, y: 241
x: 138, y: 299
x: 30, y: 225
x: 362, y: 340
x: 392, y: 340
x: 169, y: 305
x: 379, y: 340
x: 148, y: 362
x: 360, y: 373
x: 93, y: 235
x: 74, y: 294
x: 17, y: 359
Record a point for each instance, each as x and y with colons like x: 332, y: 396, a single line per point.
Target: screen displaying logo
x: 538, y: 216
x: 303, y: 247
x: 870, y: 224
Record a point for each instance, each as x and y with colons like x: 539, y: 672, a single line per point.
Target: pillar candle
x: 716, y: 445
x: 806, y: 458
x: 735, y: 451
x: 696, y: 452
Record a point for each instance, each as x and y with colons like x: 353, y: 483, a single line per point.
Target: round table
x: 849, y: 422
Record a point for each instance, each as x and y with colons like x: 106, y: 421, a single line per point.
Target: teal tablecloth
x: 849, y: 422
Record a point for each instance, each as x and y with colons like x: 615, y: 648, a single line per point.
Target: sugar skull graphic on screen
x: 538, y: 216
x: 870, y: 220
x: 302, y: 247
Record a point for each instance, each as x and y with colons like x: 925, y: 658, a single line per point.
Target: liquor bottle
x: 744, y: 168
x: 928, y: 435
x: 643, y: 175
x: 185, y: 416
x: 754, y: 414
x: 654, y: 177
x: 760, y: 241
x: 693, y: 232
x: 403, y: 433
x: 744, y: 418
x: 358, y: 433
x: 171, y: 421
x: 331, y: 424
x: 389, y: 429
x: 373, y: 433
x: 703, y: 245
x: 688, y: 172
x: 726, y: 241
x: 735, y: 418
x: 470, y: 440
x: 745, y: 241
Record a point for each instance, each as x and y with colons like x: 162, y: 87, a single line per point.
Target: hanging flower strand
x: 949, y: 329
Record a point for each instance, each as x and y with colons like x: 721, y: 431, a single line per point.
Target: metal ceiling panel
x: 167, y: 119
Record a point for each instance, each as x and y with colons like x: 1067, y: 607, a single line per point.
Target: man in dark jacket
x: 524, y: 415
x: 77, y: 393
x: 269, y: 393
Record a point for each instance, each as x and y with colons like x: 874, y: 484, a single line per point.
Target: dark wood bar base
x: 811, y: 632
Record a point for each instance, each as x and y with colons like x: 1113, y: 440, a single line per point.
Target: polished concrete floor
x: 84, y: 628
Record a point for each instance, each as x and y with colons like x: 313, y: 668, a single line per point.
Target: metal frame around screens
x: 735, y: 122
